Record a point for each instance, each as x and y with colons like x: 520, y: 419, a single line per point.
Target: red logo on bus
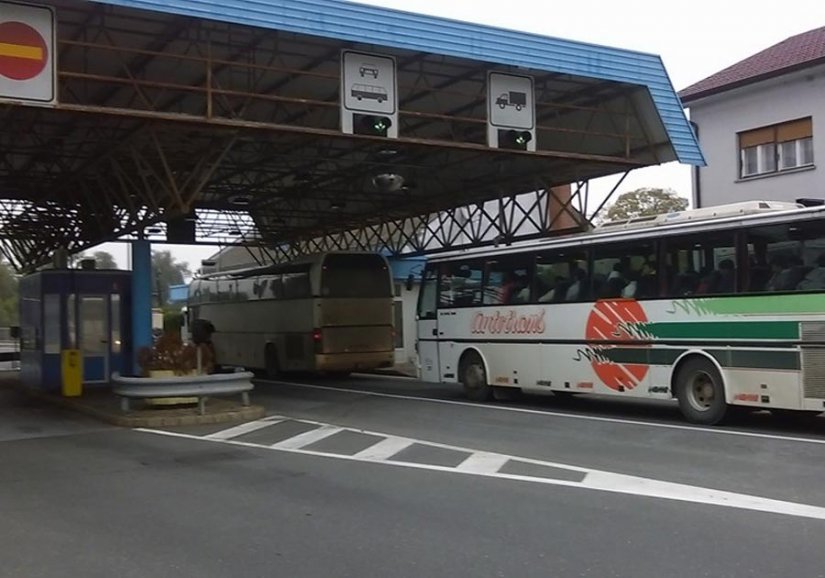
x: 508, y: 323
x: 617, y: 322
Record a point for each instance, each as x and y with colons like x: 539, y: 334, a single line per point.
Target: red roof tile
x: 798, y: 51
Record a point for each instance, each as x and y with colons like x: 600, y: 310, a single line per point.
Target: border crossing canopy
x: 222, y: 121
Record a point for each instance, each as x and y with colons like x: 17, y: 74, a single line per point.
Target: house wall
x: 719, y: 118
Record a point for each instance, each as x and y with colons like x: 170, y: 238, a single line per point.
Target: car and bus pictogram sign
x: 27, y: 65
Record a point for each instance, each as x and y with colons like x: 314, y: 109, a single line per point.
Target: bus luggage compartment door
x: 428, y: 350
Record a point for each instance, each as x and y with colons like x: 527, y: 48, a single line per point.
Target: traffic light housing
x: 371, y: 124
x: 514, y: 139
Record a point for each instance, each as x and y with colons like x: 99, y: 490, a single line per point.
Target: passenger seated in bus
x: 647, y: 281
x: 759, y: 274
x: 522, y: 294
x: 630, y: 290
x: 780, y: 275
x: 726, y: 277
x: 509, y: 288
x: 616, y: 282
x: 559, y: 287
x: 578, y: 289
x: 798, y: 271
x: 685, y: 283
x: 707, y: 281
x: 815, y: 278
x: 721, y: 280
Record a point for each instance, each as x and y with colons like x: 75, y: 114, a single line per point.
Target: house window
x: 776, y: 148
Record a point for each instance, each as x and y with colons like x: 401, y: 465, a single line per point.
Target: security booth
x: 82, y: 313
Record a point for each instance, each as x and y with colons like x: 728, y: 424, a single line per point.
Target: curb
x: 228, y: 412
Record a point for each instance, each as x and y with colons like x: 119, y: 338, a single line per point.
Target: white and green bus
x: 713, y: 307
x: 328, y: 313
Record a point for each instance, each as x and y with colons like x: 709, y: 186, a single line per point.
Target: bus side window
x: 787, y: 257
x: 625, y: 271
x: 506, y: 282
x: 561, y: 277
x: 460, y: 285
x: 701, y: 265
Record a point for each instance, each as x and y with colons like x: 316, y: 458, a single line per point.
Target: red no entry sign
x: 23, y: 51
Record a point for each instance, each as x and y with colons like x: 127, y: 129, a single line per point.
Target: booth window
x: 71, y: 322
x: 116, y: 336
x: 51, y: 325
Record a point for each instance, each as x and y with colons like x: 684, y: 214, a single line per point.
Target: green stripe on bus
x: 757, y: 304
x: 788, y: 360
x: 641, y: 355
x: 762, y: 359
x: 724, y: 330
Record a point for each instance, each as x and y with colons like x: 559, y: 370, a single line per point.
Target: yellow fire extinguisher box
x: 72, y: 372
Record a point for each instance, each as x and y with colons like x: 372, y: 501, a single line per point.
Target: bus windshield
x: 355, y: 276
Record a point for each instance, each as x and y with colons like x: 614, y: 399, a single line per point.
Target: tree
x: 8, y: 296
x: 645, y: 202
x: 167, y: 271
x: 104, y: 260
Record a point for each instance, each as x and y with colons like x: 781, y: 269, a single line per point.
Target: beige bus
x: 328, y: 313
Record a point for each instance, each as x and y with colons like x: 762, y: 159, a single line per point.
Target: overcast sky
x: 694, y: 39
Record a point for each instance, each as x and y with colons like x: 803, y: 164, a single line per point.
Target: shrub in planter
x: 171, y: 356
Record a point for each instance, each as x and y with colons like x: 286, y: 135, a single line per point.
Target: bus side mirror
x: 14, y: 332
x: 410, y: 282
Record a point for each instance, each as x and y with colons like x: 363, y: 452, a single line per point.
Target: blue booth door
x: 94, y: 337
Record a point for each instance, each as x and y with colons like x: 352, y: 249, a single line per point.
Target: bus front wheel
x: 474, y: 378
x: 701, y: 392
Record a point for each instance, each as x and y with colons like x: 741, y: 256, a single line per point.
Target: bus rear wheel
x: 701, y: 392
x: 474, y: 378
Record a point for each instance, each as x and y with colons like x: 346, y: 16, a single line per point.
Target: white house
x: 761, y: 125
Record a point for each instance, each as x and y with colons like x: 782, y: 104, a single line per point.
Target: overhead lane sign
x: 369, y: 95
x: 27, y: 63
x: 511, y: 111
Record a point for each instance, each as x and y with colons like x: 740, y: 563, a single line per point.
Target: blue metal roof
x: 393, y: 28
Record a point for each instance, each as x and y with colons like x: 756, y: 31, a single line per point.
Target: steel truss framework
x: 497, y: 222
x: 163, y: 118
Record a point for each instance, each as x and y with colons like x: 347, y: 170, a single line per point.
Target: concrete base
x: 105, y: 406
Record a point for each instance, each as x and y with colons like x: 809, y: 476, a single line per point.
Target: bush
x: 171, y: 354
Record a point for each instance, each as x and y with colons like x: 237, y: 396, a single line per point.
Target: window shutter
x: 794, y: 130
x: 757, y: 137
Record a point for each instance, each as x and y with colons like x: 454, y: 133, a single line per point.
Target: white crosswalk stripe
x: 307, y: 438
x: 384, y: 449
x: 244, y: 428
x: 483, y: 463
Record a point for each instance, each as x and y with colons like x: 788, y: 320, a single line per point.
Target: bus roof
x: 706, y: 219
x: 302, y: 263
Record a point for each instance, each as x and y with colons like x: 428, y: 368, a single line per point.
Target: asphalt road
x: 377, y: 477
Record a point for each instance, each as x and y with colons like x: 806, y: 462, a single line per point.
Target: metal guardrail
x: 199, y: 386
x: 9, y: 348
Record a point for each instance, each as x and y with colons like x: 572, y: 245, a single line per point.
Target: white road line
x: 244, y: 428
x: 483, y: 463
x: 306, y: 438
x: 384, y: 449
x: 719, y: 431
x: 595, y: 480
